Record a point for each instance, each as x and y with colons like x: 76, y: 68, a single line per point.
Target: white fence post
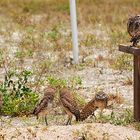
x: 74, y: 31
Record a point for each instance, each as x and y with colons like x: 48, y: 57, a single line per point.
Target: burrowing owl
x: 69, y: 104
x: 133, y: 28
x: 41, y: 108
x: 100, y: 101
x: 88, y: 110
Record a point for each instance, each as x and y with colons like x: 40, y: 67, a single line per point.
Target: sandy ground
x: 91, y: 131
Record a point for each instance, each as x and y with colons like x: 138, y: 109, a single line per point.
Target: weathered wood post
x: 136, y: 53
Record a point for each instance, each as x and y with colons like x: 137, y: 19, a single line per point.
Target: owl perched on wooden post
x: 133, y: 28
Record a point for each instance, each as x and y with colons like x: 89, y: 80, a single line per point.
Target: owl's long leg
x: 46, y: 120
x: 93, y: 114
x: 101, y: 112
x: 37, y: 117
x: 69, y: 120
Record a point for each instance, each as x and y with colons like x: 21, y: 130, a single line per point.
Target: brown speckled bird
x: 88, y: 110
x: 69, y: 104
x: 41, y: 108
x: 133, y: 28
x: 100, y: 101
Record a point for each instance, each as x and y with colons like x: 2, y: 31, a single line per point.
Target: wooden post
x: 137, y: 87
x: 136, y: 53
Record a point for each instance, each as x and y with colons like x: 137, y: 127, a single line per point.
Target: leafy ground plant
x: 18, y: 98
x: 124, y: 118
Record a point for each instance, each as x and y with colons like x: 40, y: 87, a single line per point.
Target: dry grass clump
x: 115, y: 98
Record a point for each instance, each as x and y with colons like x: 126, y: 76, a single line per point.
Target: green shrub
x: 18, y: 98
x: 56, y: 82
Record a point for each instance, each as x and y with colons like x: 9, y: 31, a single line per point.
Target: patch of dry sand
x: 91, y: 131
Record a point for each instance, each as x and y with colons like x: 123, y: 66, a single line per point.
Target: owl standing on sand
x: 133, y: 28
x: 69, y: 105
x: 41, y: 108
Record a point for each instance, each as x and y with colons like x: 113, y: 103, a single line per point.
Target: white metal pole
x: 74, y: 31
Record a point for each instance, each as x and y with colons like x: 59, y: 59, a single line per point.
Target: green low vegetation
x: 123, y: 118
x: 18, y: 98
